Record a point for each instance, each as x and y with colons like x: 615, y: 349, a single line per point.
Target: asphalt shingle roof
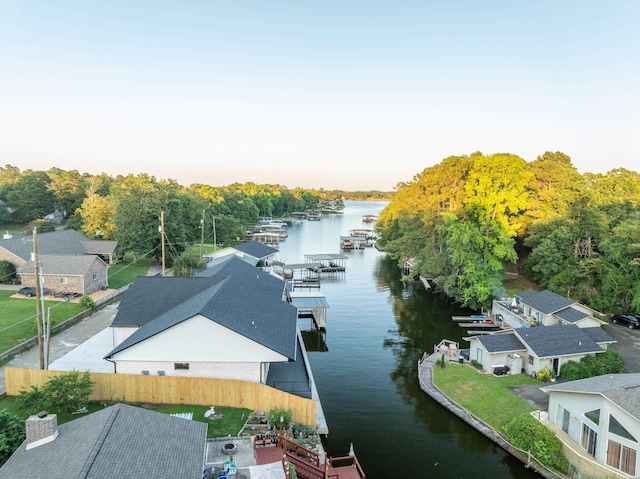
x: 71, y: 265
x: 571, y: 315
x: 114, y: 443
x: 232, y: 293
x: 546, y: 301
x: 255, y: 249
x: 64, y: 242
x: 621, y: 389
x: 499, y: 343
x: 557, y: 340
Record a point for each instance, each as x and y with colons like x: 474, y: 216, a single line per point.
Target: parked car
x: 28, y: 291
x: 629, y: 320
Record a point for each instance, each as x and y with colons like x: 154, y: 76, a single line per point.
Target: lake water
x: 365, y: 367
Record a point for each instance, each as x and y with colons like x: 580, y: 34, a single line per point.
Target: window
x: 618, y: 429
x: 64, y: 280
x: 593, y: 416
x: 95, y: 275
x: 621, y: 457
x: 183, y: 366
x: 562, y: 419
x: 589, y: 440
x: 530, y: 359
x: 479, y: 356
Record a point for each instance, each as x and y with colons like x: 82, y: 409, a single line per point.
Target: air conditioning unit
x: 160, y: 373
x: 145, y: 372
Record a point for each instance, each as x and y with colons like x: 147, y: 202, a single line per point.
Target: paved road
x: 64, y: 342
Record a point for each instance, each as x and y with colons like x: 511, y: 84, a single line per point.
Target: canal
x: 365, y: 366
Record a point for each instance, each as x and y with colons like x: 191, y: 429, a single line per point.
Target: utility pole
x: 215, y: 243
x: 36, y: 267
x: 201, y: 235
x: 162, y: 236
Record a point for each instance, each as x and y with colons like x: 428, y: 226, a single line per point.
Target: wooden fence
x: 134, y: 388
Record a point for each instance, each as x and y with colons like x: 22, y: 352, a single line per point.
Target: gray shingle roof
x: 255, y: 249
x: 64, y: 242
x: 557, y: 340
x: 571, y: 315
x: 71, y: 265
x: 545, y: 301
x: 500, y: 343
x: 114, y: 443
x: 621, y: 389
x: 599, y: 335
x: 232, y: 293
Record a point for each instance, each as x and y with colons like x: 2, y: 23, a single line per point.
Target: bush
x: 87, y: 302
x: 11, y: 434
x: 608, y: 362
x: 274, y: 418
x: 527, y: 433
x: 7, y: 272
x: 545, y: 375
x: 64, y: 393
x: 42, y: 226
x: 184, y: 265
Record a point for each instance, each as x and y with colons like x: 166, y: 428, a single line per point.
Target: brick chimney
x: 41, y: 429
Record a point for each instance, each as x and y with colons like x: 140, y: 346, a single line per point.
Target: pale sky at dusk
x: 355, y: 95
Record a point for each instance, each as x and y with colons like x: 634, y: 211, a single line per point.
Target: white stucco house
x: 602, y: 416
x: 544, y: 308
x: 528, y: 350
x: 229, y: 322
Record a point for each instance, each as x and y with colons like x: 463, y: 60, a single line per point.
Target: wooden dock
x: 479, y: 324
x: 478, y: 317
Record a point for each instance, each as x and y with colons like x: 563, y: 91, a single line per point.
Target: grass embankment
x: 18, y: 317
x: 227, y: 421
x: 484, y: 395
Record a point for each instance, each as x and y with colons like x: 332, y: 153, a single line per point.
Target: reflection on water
x: 365, y: 366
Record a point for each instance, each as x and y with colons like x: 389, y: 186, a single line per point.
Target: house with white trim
x: 602, y: 416
x: 250, y: 251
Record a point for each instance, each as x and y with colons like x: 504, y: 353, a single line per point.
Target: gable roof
x: 64, y: 242
x: 571, y: 315
x: 546, y: 301
x: 500, y: 343
x: 558, y: 340
x: 116, y: 442
x: 232, y: 293
x: 255, y: 249
x: 70, y: 265
x: 621, y: 389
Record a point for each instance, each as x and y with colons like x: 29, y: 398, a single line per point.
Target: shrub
x: 274, y: 418
x: 42, y: 226
x: 527, y: 433
x: 608, y: 362
x: 184, y: 265
x: 64, y: 393
x: 87, y: 302
x: 11, y: 434
x: 7, y: 271
x: 545, y: 375
x: 442, y: 361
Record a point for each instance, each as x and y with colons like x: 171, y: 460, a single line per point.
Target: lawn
x: 125, y: 272
x: 484, y: 395
x: 227, y: 421
x: 18, y: 317
x: 194, y: 250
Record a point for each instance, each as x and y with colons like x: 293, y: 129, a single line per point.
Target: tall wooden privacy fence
x: 134, y: 388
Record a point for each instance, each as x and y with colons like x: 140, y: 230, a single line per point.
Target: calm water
x: 377, y: 329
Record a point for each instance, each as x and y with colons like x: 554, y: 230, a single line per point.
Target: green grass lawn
x: 194, y: 250
x: 484, y: 395
x: 227, y: 421
x: 126, y: 271
x: 18, y: 317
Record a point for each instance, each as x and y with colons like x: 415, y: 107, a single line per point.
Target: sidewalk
x: 64, y: 342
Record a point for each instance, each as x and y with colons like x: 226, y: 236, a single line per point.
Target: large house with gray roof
x: 250, y: 251
x: 528, y: 350
x: 543, y: 308
x: 601, y: 415
x: 117, y: 442
x: 230, y: 322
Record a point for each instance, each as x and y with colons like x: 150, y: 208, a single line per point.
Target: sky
x: 352, y: 95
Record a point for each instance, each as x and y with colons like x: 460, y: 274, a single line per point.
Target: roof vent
x: 41, y: 429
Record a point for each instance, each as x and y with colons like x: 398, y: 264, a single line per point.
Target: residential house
x: 543, y: 308
x: 116, y: 442
x: 229, y: 322
x: 250, y: 251
x: 67, y: 274
x: 602, y: 416
x: 528, y: 350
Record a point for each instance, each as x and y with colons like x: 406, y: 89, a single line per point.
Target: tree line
x: 127, y: 208
x: 464, y: 219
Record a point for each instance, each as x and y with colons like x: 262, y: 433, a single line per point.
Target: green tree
x: 12, y: 434
x: 97, y: 214
x: 29, y: 197
x: 64, y: 393
x: 7, y: 271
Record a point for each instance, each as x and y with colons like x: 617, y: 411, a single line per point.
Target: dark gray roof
x: 64, y: 242
x: 621, y: 389
x: 546, y: 301
x: 255, y: 249
x: 232, y: 293
x: 500, y: 343
x: 114, y: 443
x: 557, y: 340
x: 571, y: 315
x: 599, y: 335
x: 291, y: 377
x: 100, y: 246
x: 71, y: 265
